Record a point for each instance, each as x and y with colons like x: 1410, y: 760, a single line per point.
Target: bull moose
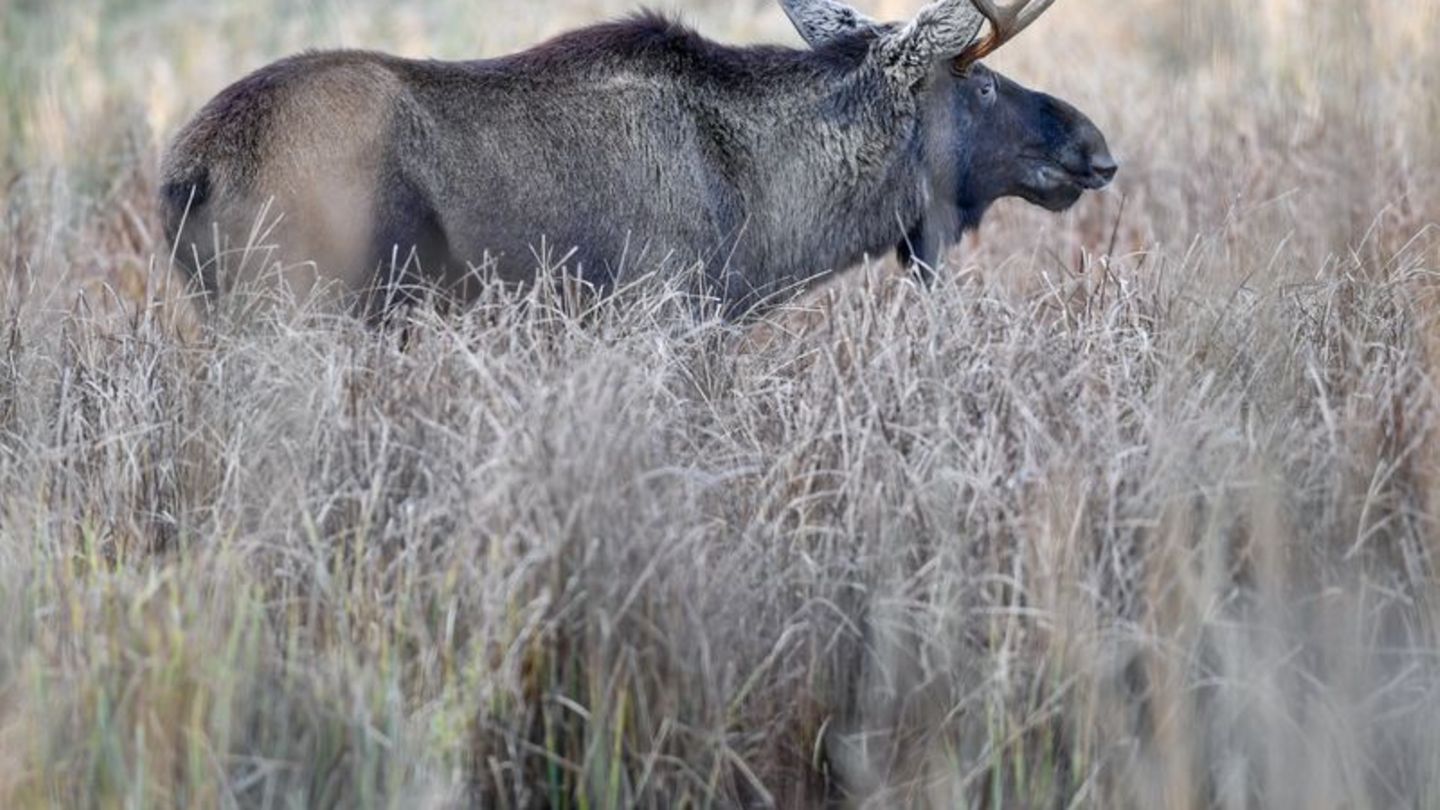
x: 635, y: 143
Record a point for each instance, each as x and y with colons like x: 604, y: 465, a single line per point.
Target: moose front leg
x: 925, y: 246
x: 918, y: 255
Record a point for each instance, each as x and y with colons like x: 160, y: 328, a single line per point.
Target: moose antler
x: 1005, y: 23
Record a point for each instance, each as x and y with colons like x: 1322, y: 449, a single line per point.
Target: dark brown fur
x: 631, y: 144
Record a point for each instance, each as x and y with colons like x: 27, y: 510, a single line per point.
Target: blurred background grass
x: 1137, y: 511
x: 1322, y: 113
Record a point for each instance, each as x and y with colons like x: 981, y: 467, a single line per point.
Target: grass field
x: 1137, y: 509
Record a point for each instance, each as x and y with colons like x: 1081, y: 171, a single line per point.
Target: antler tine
x: 1005, y: 23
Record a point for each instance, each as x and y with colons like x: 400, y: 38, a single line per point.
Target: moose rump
x: 283, y: 174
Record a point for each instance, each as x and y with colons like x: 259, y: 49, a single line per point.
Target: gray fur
x: 941, y: 31
x: 625, y: 146
x: 821, y: 22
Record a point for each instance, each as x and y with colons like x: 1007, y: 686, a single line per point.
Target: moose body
x: 617, y: 149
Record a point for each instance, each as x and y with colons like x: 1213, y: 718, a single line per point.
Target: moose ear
x: 942, y: 30
x: 822, y: 21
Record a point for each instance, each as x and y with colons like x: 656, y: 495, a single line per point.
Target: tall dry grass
x: 1137, y: 509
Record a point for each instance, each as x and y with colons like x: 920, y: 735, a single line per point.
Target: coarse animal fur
x: 618, y: 148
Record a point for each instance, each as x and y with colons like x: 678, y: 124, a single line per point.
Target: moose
x: 634, y: 143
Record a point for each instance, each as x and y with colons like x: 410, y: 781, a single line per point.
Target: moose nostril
x: 1104, y: 166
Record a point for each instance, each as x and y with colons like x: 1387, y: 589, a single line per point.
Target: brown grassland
x: 1137, y: 509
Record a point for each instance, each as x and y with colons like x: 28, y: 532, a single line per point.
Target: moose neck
x: 840, y: 175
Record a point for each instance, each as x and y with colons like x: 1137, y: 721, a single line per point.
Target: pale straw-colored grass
x: 1136, y: 509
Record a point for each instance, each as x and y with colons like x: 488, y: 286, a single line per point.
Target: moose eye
x: 987, y: 91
